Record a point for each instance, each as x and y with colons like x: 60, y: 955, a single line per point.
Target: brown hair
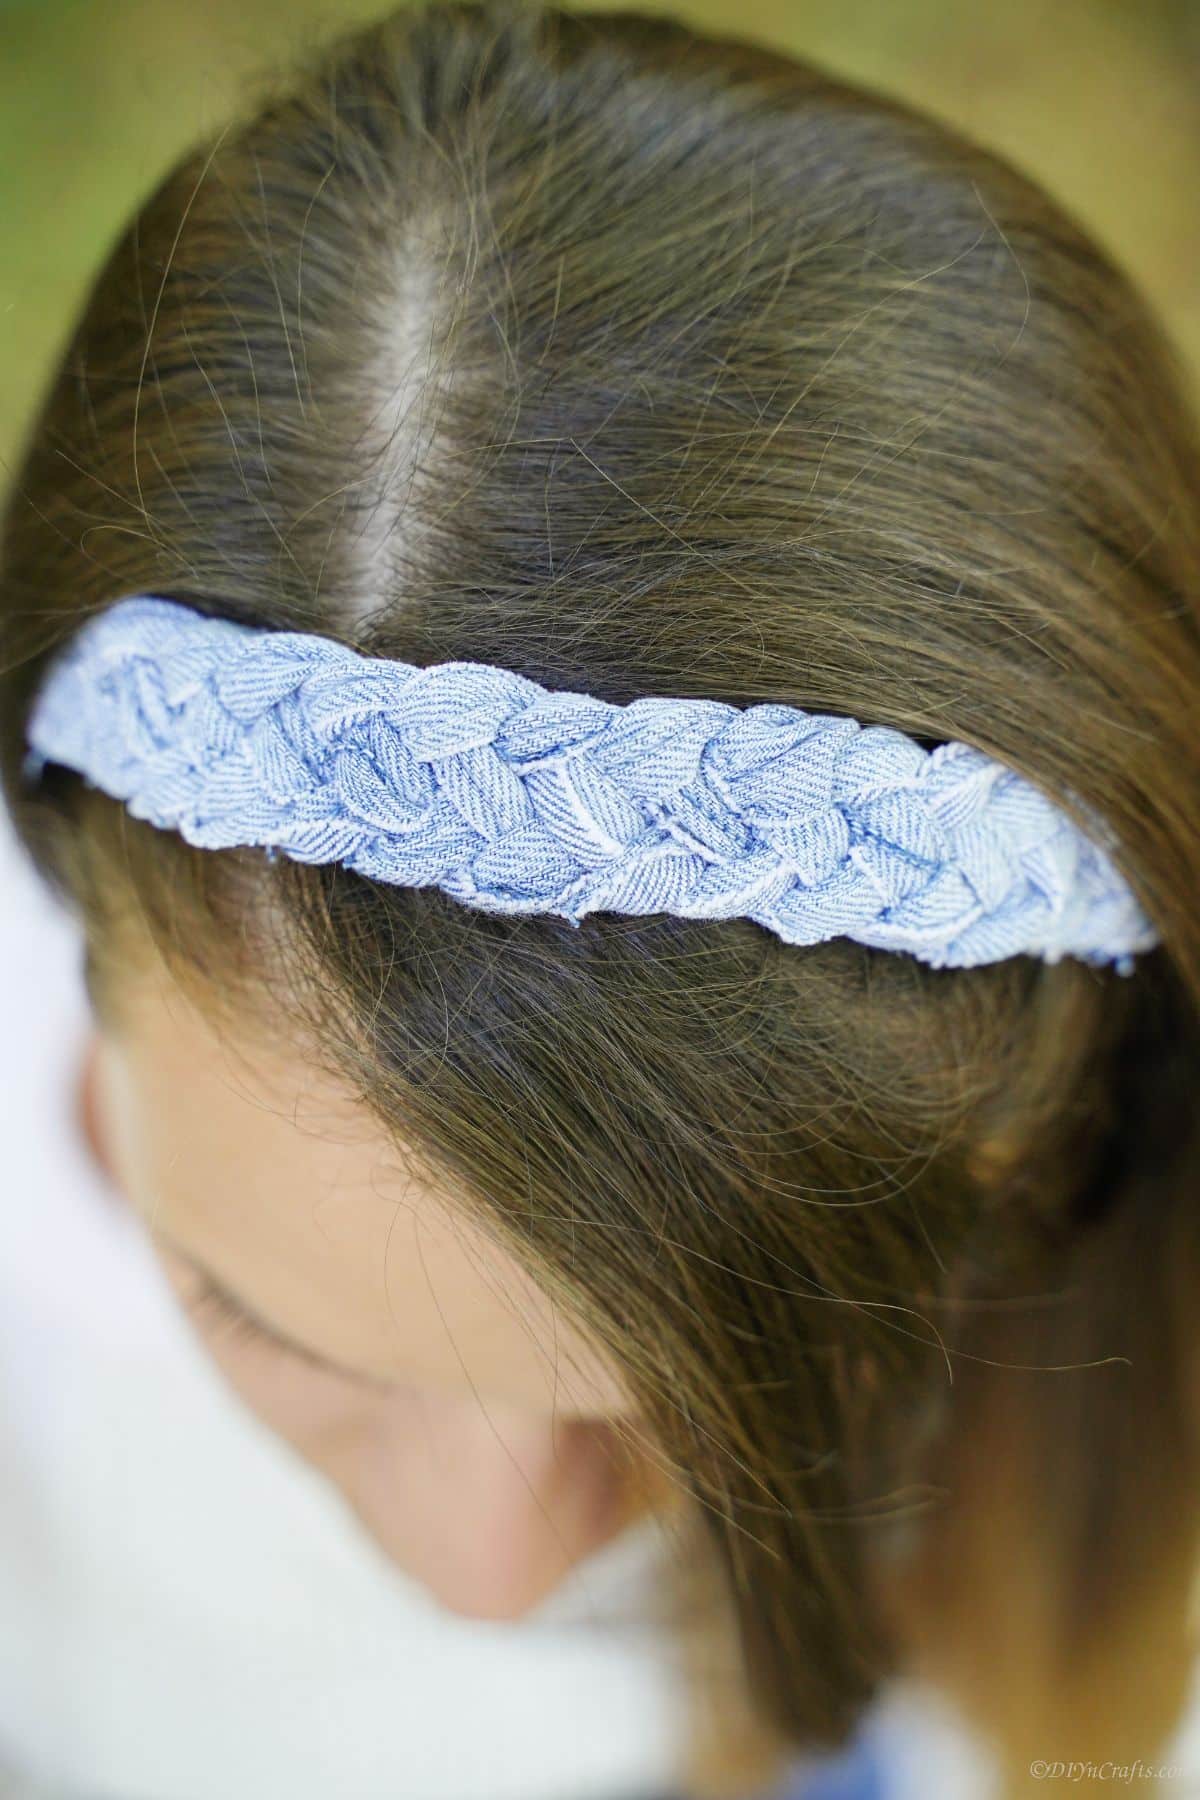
x: 643, y: 363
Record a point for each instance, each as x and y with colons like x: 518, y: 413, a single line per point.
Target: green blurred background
x: 1099, y: 98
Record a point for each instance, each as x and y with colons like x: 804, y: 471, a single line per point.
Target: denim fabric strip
x: 516, y: 799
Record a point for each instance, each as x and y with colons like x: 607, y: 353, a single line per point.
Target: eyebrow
x: 326, y: 1364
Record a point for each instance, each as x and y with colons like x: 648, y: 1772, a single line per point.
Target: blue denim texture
x: 519, y: 800
x: 859, y: 1771
x: 858, y: 1774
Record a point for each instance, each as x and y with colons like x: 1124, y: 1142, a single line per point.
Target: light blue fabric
x: 858, y: 1775
x: 858, y: 1772
x: 516, y: 799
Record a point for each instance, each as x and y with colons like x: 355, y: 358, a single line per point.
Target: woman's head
x: 642, y: 364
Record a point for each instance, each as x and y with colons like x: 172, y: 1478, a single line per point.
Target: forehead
x: 239, y: 1149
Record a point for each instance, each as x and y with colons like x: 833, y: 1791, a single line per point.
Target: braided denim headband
x: 515, y: 799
